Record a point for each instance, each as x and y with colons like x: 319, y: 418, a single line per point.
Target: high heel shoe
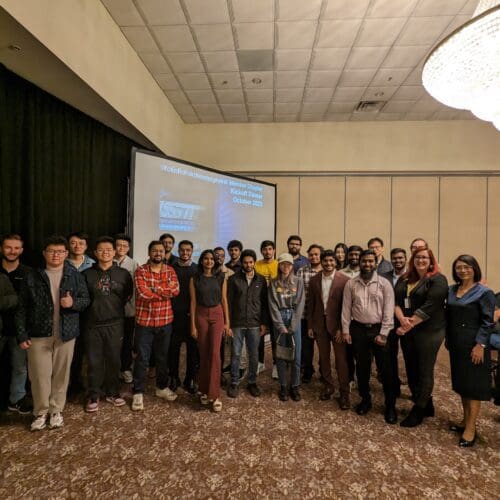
x: 463, y: 443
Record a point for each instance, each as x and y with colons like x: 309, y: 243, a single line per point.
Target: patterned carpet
x: 253, y: 448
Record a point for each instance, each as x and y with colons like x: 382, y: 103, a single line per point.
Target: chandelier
x: 463, y: 70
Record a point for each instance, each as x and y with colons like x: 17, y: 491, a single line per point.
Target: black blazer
x: 427, y: 301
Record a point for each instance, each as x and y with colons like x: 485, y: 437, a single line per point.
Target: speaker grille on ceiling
x: 369, y: 106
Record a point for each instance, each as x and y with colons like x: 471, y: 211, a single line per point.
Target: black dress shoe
x: 283, y: 394
x: 391, y: 416
x: 429, y: 408
x: 463, y: 443
x: 414, y: 418
x: 254, y: 390
x: 325, y: 396
x: 295, y: 394
x: 456, y: 428
x: 190, y: 386
x: 364, y: 407
x: 232, y: 391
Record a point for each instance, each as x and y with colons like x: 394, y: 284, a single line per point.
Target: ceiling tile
x: 389, y: 117
x: 363, y: 117
x: 345, y: 9
x: 417, y: 116
x: 441, y: 8
x: 314, y: 117
x: 260, y: 118
x: 255, y: 35
x: 201, y: 96
x: 325, y: 59
x: 356, y: 77
x: 323, y: 79
x: 378, y: 93
x: 194, y: 81
x: 174, y: 38
x: 366, y: 57
x: 155, y: 62
x: 258, y: 79
x: 423, y: 30
x: 426, y: 104
x: 338, y: 117
x: 317, y: 95
x: 255, y: 60
x: 254, y: 11
x: 289, y: 95
x: 190, y: 119
x: 398, y: 106
x: 404, y: 57
x: 162, y: 12
x: 391, y: 8
x: 200, y: 13
x: 285, y: 108
x: 123, y: 12
x: 291, y: 79
x: 206, y: 109
x: 233, y: 109
x: 314, y: 107
x: 291, y: 60
x: 226, y: 80
x: 286, y: 118
x: 338, y: 33
x: 236, y: 118
x: 456, y: 23
x: 445, y: 114
x: 140, y: 38
x: 380, y: 32
x: 211, y: 118
x: 260, y: 108
x: 415, y: 77
x: 469, y: 8
x: 409, y: 93
x: 220, y: 61
x: 296, y: 35
x: 184, y: 109
x: 466, y: 115
x: 294, y: 10
x: 214, y: 36
x: 390, y: 76
x: 177, y: 97
x: 230, y: 97
x: 259, y: 95
x: 348, y: 94
x: 343, y: 107
x: 185, y: 62
x: 167, y: 82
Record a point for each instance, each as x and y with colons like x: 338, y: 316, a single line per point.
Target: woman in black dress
x: 341, y: 251
x: 471, y: 306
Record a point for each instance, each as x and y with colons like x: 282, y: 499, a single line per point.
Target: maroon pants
x: 210, y: 326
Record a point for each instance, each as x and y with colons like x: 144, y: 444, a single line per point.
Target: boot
x: 414, y: 418
x: 429, y: 408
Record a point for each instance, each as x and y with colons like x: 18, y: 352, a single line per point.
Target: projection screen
x: 196, y: 203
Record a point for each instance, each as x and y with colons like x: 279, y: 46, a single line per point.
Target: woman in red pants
x: 209, y: 321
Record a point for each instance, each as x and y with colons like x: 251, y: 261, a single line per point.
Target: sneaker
x: 232, y: 391
x: 56, y: 421
x: 260, y: 367
x: 275, y: 372
x: 254, y: 390
x: 137, y: 402
x: 217, y: 405
x: 204, y: 399
x: 115, y: 400
x: 127, y: 377
x: 23, y: 406
x: 166, y: 393
x: 92, y: 406
x: 39, y: 423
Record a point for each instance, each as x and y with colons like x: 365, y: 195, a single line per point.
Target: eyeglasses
x: 55, y: 252
x: 422, y: 257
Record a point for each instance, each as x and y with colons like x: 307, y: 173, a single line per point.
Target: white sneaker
x: 127, y: 377
x: 217, y: 405
x: 137, y: 402
x: 56, y: 421
x: 166, y: 393
x: 275, y: 372
x: 39, y: 423
x: 261, y: 367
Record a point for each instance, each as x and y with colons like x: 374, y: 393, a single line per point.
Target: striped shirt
x: 306, y: 273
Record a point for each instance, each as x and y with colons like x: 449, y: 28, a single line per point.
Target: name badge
x: 407, y: 303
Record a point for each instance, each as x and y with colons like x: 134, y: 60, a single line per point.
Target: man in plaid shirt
x: 155, y: 285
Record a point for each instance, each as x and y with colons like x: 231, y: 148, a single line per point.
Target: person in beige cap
x: 286, y: 303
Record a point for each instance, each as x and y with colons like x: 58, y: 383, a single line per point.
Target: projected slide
x: 204, y: 206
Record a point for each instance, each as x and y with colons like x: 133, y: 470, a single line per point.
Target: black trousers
x: 103, y: 346
x: 76, y: 382
x: 307, y: 351
x: 364, y: 349
x: 181, y: 332
x: 420, y: 350
x: 128, y: 344
x: 393, y: 345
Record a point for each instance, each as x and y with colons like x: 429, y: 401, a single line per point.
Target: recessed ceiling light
x: 379, y: 94
x: 256, y: 81
x: 224, y: 82
x: 15, y: 48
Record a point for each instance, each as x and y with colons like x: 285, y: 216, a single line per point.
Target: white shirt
x: 326, y: 285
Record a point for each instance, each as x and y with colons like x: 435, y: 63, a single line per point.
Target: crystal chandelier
x: 463, y: 70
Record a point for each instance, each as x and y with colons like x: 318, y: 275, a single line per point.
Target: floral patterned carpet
x: 254, y: 448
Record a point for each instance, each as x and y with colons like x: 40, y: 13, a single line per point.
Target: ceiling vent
x: 369, y: 106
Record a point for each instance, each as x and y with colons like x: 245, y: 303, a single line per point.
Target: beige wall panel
x: 493, y: 261
x: 462, y: 220
x: 287, y: 214
x: 368, y: 210
x: 322, y: 210
x: 415, y: 211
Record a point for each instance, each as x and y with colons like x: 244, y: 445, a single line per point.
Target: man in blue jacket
x: 48, y: 323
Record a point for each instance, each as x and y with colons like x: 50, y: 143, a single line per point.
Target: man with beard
x: 12, y: 248
x: 367, y: 319
x: 294, y: 244
x: 185, y: 269
x: 234, y: 248
x: 168, y: 242
x: 352, y: 269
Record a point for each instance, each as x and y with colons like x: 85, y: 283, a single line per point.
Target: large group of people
x: 119, y: 319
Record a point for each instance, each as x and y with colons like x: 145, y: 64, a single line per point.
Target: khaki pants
x: 49, y: 363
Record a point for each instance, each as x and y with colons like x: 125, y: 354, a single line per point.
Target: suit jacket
x: 315, y: 308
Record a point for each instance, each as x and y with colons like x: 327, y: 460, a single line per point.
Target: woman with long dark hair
x: 470, y: 310
x: 420, y: 310
x: 341, y: 252
x: 209, y: 320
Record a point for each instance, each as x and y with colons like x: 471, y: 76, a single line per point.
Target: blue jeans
x: 286, y: 316
x: 19, y: 368
x: 157, y: 339
x: 252, y: 338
